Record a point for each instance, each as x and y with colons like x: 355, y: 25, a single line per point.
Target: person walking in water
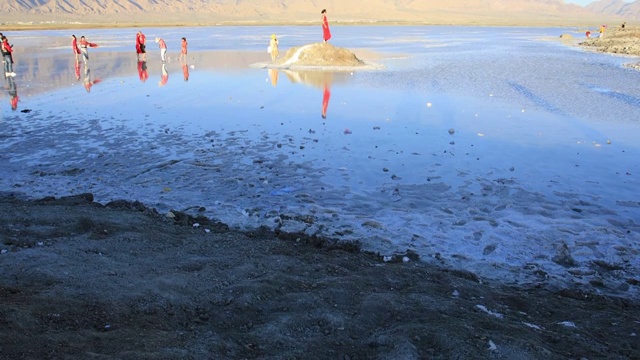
x: 273, y: 48
x: 163, y: 49
x: 326, y: 33
x: 75, y: 48
x: 84, y: 45
x: 7, y: 56
x: 183, y: 51
x: 141, y: 46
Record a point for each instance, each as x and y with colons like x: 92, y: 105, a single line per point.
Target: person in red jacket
x: 75, y: 48
x: 141, y: 46
x: 7, y: 56
x: 84, y: 45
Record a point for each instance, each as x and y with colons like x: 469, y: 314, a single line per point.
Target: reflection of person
x: 141, y: 45
x: 273, y: 75
x: 325, y: 100
x: 76, y: 67
x: 273, y: 47
x: 185, y: 71
x: 165, y: 76
x: 142, y: 71
x: 12, y: 90
x: 75, y: 49
x: 163, y: 49
x: 326, y: 33
x: 183, y: 50
x: 7, y: 56
x: 88, y: 83
x: 84, y: 45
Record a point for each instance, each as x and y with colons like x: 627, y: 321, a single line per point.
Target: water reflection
x: 185, y: 72
x: 88, y: 83
x: 273, y: 75
x: 326, y: 94
x: 12, y: 90
x: 322, y: 80
x: 143, y: 73
x: 164, y: 78
x: 185, y: 67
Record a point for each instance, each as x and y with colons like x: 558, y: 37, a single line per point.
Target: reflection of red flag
x: 325, y: 101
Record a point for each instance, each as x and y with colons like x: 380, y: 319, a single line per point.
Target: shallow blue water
x: 501, y: 132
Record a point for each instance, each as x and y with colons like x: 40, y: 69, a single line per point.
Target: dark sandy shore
x: 82, y: 280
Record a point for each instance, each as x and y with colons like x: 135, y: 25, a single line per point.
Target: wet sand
x: 83, y: 280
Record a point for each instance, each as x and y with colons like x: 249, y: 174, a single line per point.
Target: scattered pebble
x: 492, y: 313
x: 567, y: 324
x: 207, y: 230
x: 196, y: 225
x: 455, y: 293
x: 347, y: 131
x: 452, y: 131
x: 3, y: 251
x: 492, y: 346
x: 533, y: 326
x: 428, y: 104
x: 387, y: 258
x: 170, y: 215
x: 405, y: 259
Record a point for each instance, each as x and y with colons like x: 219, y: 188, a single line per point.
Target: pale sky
x: 585, y: 2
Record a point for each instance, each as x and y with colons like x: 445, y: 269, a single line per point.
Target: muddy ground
x: 80, y: 280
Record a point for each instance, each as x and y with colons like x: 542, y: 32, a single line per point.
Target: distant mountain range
x: 499, y: 12
x: 626, y: 10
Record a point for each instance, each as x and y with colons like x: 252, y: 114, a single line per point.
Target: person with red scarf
x: 75, y: 48
x: 326, y: 33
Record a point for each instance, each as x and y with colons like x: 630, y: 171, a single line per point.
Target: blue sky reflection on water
x: 469, y: 137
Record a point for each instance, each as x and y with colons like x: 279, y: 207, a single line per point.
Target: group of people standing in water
x: 80, y: 48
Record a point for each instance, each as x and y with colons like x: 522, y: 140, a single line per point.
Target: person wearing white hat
x: 163, y: 49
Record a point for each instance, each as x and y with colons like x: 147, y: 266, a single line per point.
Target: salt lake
x: 498, y: 150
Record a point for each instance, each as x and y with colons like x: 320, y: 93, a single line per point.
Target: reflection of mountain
x: 317, y: 79
x: 516, y: 12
